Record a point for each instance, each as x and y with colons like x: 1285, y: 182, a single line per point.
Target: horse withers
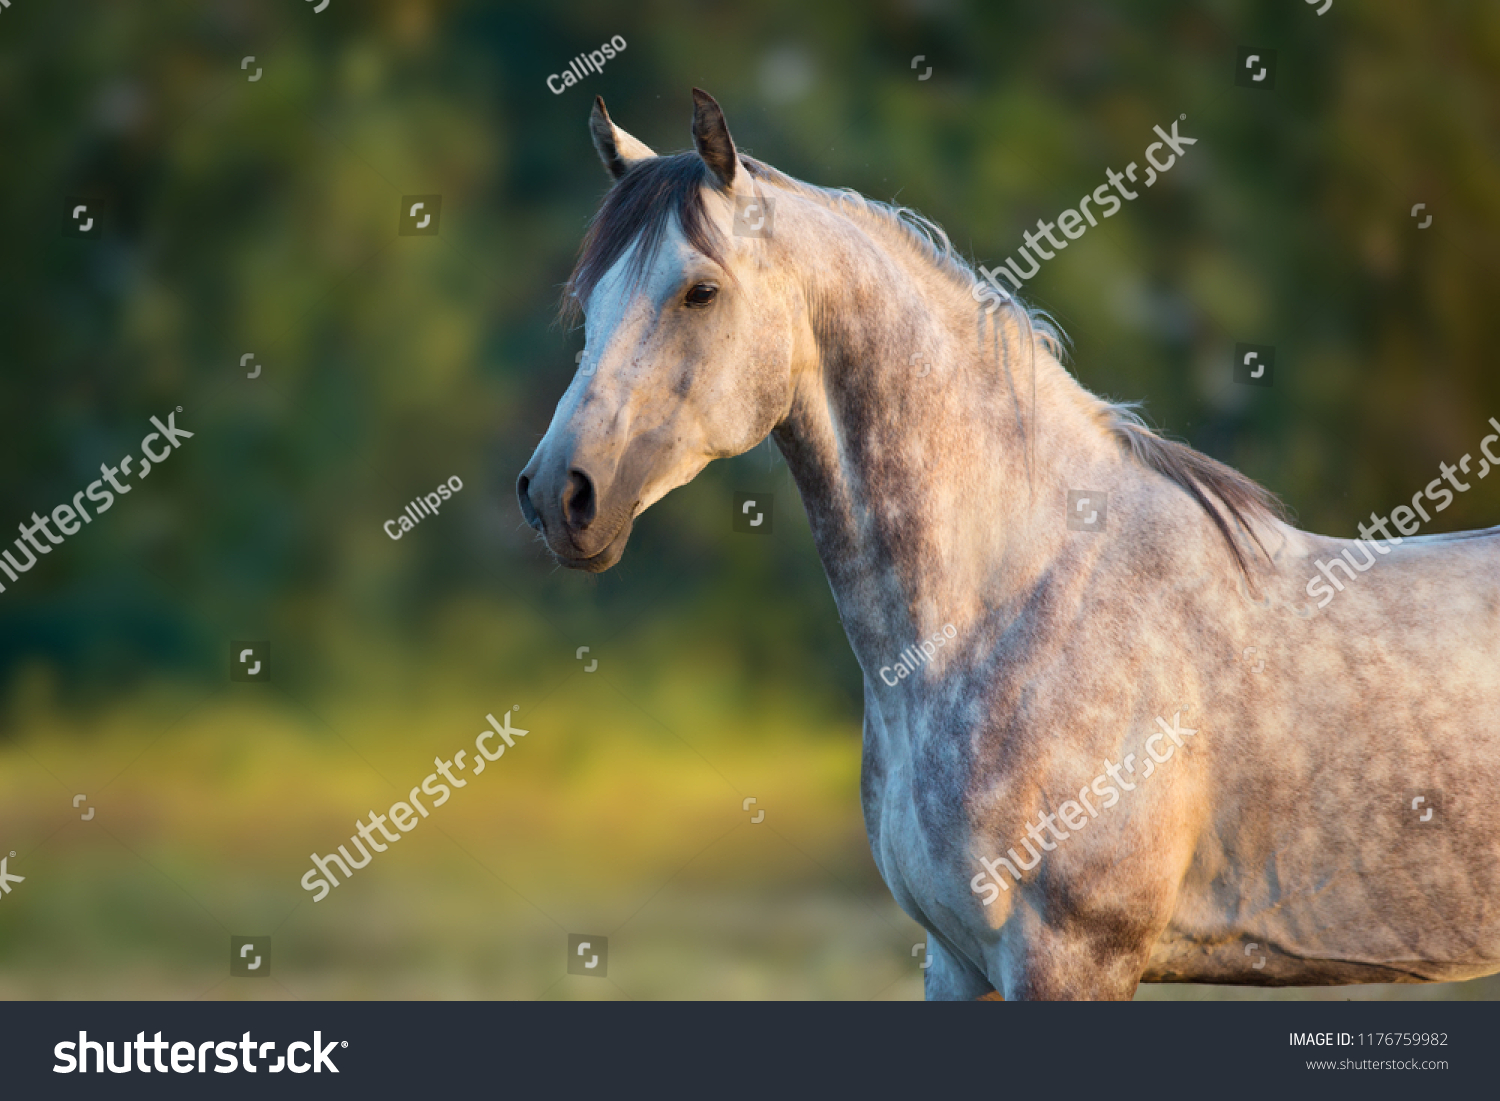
x: 1142, y: 752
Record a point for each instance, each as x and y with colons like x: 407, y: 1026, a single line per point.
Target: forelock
x: 639, y: 208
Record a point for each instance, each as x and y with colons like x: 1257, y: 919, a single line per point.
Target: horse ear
x: 617, y: 149
x: 712, y: 140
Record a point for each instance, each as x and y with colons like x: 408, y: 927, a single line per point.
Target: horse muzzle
x: 580, y: 535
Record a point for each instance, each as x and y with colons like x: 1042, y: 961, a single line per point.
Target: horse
x: 1109, y: 735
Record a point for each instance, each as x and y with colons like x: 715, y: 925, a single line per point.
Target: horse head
x: 690, y: 329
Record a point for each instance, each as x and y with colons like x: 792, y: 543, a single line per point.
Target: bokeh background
x: 260, y: 216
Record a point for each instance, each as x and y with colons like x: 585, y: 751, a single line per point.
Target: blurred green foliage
x: 261, y: 216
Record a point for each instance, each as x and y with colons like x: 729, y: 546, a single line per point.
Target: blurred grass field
x: 620, y: 814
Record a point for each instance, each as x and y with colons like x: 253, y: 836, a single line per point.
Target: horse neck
x: 934, y: 498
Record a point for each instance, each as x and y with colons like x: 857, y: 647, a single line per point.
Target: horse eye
x: 702, y: 294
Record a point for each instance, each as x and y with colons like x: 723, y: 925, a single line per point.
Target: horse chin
x: 601, y: 560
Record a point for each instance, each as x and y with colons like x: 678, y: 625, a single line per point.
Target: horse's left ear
x: 712, y: 140
x: 617, y: 149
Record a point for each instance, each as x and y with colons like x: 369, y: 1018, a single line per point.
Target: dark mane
x: 1206, y: 480
x: 640, y: 205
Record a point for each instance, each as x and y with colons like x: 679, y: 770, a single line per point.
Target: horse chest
x: 911, y: 817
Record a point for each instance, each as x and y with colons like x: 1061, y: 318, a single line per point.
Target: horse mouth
x: 602, y: 559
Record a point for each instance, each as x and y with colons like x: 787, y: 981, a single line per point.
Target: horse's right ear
x: 617, y: 149
x: 712, y: 140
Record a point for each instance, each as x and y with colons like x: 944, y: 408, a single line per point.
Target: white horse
x: 1108, y: 735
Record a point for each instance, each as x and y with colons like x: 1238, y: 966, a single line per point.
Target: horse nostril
x: 528, y: 510
x: 578, y: 504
